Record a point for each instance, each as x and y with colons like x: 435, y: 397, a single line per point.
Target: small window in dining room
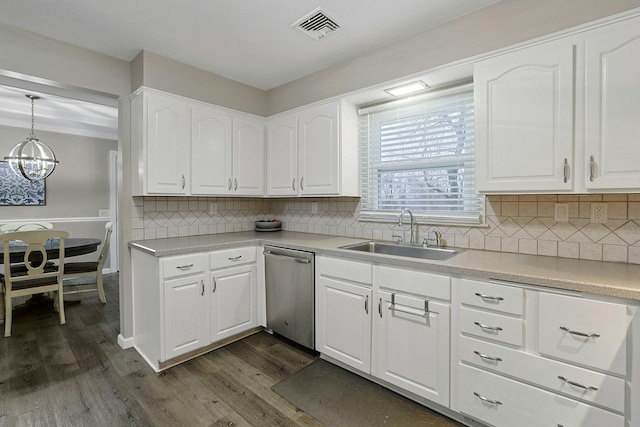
x: 419, y: 154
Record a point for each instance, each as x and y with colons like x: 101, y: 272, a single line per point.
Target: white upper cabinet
x: 248, y: 157
x: 183, y: 147
x: 161, y: 126
x: 282, y: 156
x: 612, y: 103
x: 319, y: 145
x: 314, y: 152
x: 524, y: 119
x: 211, y: 151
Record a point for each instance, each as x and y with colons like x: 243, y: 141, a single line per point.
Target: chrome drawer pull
x: 393, y: 307
x: 592, y: 168
x: 184, y: 267
x: 487, y: 327
x: 489, y: 297
x: 580, y: 334
x: 234, y: 258
x: 489, y: 358
x: 215, y: 285
x: 488, y: 401
x: 575, y: 384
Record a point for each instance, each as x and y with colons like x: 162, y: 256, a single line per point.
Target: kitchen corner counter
x: 596, y: 277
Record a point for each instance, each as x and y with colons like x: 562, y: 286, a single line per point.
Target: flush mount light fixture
x: 407, y: 88
x: 31, y: 158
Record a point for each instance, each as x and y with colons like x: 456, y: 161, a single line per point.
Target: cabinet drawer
x: 507, y: 299
x: 232, y: 257
x: 353, y: 271
x: 587, y: 332
x: 523, y: 405
x: 183, y: 265
x: 609, y: 392
x: 492, y: 326
x: 413, y: 281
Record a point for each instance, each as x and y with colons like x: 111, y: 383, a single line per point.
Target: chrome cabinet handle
x: 366, y: 305
x: 380, y: 307
x: 489, y: 358
x: 183, y: 182
x: 184, y: 267
x: 394, y: 307
x: 580, y: 334
x: 234, y: 258
x: 293, y: 184
x: 302, y: 183
x: 489, y: 297
x: 302, y: 261
x: 487, y: 327
x: 229, y: 184
x: 485, y: 400
x: 215, y: 285
x: 575, y: 384
x: 592, y: 168
x: 202, y: 283
x: 566, y: 170
x: 235, y: 184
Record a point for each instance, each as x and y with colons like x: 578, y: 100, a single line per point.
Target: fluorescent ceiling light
x: 407, y: 88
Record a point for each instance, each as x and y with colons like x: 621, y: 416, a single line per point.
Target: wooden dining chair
x: 34, y: 278
x: 74, y: 270
x: 26, y: 226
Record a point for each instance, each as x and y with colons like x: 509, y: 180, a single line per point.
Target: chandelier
x: 31, y: 158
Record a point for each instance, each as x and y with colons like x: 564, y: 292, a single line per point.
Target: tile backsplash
x: 520, y: 224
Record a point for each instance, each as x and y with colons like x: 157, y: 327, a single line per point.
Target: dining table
x: 73, y: 246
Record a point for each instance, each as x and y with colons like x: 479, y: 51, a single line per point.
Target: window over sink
x: 418, y: 153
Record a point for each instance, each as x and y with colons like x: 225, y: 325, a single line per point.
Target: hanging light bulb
x: 31, y: 158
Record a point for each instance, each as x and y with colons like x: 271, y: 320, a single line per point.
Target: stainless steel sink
x: 404, y: 249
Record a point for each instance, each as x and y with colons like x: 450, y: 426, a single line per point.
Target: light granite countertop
x: 596, y: 277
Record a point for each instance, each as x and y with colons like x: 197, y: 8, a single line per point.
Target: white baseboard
x: 125, y: 343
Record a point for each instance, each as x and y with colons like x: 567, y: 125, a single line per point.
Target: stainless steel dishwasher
x: 289, y: 280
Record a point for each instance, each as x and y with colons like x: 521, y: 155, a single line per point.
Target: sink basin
x: 404, y: 249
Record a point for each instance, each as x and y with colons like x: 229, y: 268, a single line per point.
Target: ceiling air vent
x: 317, y: 24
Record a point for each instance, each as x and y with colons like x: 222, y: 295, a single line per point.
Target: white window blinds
x: 420, y: 155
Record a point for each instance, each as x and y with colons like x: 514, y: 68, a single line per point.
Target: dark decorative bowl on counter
x: 268, y: 225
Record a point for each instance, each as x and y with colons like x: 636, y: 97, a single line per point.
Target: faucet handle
x: 397, y: 238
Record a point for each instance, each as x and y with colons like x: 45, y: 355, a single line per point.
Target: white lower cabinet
x: 185, y: 315
x: 233, y: 301
x: 529, y: 357
x: 343, y: 311
x: 500, y: 401
x: 373, y: 318
x: 183, y: 304
x: 411, y: 345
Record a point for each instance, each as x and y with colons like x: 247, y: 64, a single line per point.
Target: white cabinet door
x: 233, y: 301
x: 319, y: 147
x: 282, y: 157
x: 411, y: 350
x: 211, y: 151
x: 167, y: 145
x: 343, y: 322
x: 612, y: 132
x: 185, y: 317
x: 248, y: 157
x: 524, y: 120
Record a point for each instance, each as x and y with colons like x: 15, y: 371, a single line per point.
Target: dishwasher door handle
x: 300, y: 260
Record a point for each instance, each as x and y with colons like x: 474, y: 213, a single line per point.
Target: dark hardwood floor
x: 77, y: 375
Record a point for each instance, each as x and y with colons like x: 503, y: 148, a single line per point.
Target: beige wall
x: 165, y: 74
x: 80, y: 184
x: 500, y: 25
x: 27, y: 53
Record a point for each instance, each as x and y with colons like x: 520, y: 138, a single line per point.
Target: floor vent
x: 317, y: 24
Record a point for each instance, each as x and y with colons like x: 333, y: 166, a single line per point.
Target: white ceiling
x: 250, y: 41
